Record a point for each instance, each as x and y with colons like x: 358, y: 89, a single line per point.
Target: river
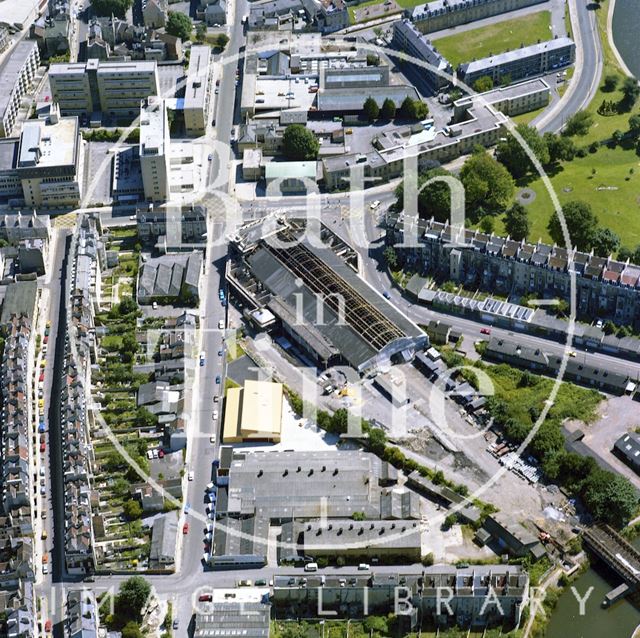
x: 626, y: 27
x: 618, y: 621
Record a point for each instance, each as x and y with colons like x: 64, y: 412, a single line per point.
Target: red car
x: 41, y: 377
x: 205, y: 598
x: 47, y: 625
x: 43, y: 447
x: 485, y: 331
x: 160, y: 454
x: 46, y: 339
x: 185, y: 528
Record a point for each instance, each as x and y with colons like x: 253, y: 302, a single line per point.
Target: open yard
x: 613, y: 192
x: 495, y: 38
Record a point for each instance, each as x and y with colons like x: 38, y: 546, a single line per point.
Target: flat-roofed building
x: 16, y: 77
x: 233, y: 613
x: 113, y: 88
x: 17, y: 15
x: 197, y: 92
x: 49, y: 162
x: 154, y: 150
x: 511, y: 66
x: 253, y: 413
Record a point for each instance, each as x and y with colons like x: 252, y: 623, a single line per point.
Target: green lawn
x: 616, y: 209
x: 495, y: 38
x: 605, y: 125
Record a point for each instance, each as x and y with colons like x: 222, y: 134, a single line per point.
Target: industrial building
x: 604, y: 287
x: 154, y: 150
x: 171, y: 278
x: 197, y: 91
x: 326, y: 309
x: 627, y: 447
x: 253, y: 413
x: 537, y: 59
x: 444, y: 14
x: 16, y: 77
x: 114, y: 89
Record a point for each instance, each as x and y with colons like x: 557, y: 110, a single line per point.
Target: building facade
x: 197, y: 92
x: 526, y: 62
x: 604, y: 287
x: 444, y: 14
x: 17, y: 76
x: 113, y: 88
x: 155, y: 163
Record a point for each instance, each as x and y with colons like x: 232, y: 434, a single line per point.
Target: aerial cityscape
x: 320, y: 318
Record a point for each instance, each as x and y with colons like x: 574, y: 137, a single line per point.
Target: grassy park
x: 504, y: 35
x: 612, y: 190
x: 384, y: 10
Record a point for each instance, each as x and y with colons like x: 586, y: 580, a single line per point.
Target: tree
x: 377, y: 624
x: 132, y: 630
x: 482, y: 84
x: 610, y: 497
x: 132, y: 509
x: 617, y: 136
x: 179, y: 25
x: 413, y: 109
x: 299, y: 143
x: 578, y: 124
x: 514, y: 157
x: 221, y: 40
x: 610, y: 82
x: 487, y: 183
x: 434, y: 200
x: 487, y: 224
x: 561, y: 148
x: 581, y: 224
x: 201, y: 32
x: 377, y: 440
x: 373, y: 59
x: 388, y: 109
x: 516, y: 222
x: 391, y: 257
x: 605, y: 242
x: 634, y: 124
x: 630, y: 91
x: 131, y: 598
x: 371, y: 109
x: 118, y: 8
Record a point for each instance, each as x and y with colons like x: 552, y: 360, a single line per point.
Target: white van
x: 364, y: 567
x: 311, y: 567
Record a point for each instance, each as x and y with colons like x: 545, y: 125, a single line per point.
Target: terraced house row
x: 604, y: 287
x: 16, y: 519
x: 76, y: 445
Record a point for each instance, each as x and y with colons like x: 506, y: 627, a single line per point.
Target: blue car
x: 218, y: 380
x: 41, y: 428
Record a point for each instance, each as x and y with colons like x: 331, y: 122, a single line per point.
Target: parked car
x: 205, y: 598
x: 185, y: 528
x: 485, y: 331
x: 190, y: 476
x: 218, y: 379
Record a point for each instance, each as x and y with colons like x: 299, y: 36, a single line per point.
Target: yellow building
x: 253, y: 413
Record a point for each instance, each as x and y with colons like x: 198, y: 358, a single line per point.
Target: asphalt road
x: 587, y: 72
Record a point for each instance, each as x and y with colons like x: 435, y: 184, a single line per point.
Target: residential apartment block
x: 113, y: 88
x: 18, y: 73
x: 197, y: 91
x: 409, y: 39
x: 154, y: 149
x: 537, y: 59
x: 81, y: 614
x: 604, y: 287
x: 476, y: 596
x: 443, y: 14
x: 172, y: 225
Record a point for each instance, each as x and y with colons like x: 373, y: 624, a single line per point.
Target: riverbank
x: 614, y: 49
